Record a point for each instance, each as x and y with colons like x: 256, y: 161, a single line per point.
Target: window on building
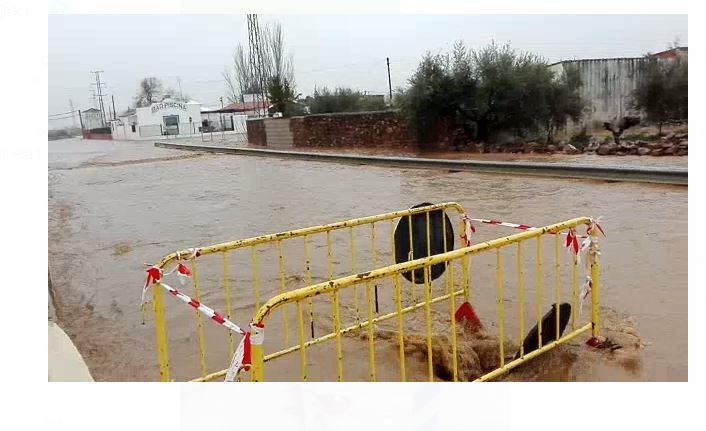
x: 132, y: 126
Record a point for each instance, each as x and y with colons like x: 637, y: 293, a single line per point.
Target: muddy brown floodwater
x: 116, y: 205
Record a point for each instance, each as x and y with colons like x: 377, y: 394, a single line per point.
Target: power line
x: 63, y: 113
x: 62, y: 118
x: 71, y: 106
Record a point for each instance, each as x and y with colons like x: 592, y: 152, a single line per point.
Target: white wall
x: 149, y: 121
x: 117, y: 129
x: 122, y: 128
x: 92, y: 120
x: 154, y: 116
x: 607, y: 88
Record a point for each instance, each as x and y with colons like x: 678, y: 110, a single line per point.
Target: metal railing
x: 337, y: 286
x: 308, y: 269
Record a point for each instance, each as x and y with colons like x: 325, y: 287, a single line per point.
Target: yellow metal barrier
x: 273, y: 270
x: 341, y: 334
x: 393, y: 271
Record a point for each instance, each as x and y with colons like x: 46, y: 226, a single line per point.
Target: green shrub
x: 493, y: 91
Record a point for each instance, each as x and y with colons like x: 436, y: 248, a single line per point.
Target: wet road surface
x: 116, y: 205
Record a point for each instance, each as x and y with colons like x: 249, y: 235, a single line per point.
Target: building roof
x: 91, y: 110
x: 243, y: 107
x: 596, y: 59
x: 130, y: 111
x: 671, y: 53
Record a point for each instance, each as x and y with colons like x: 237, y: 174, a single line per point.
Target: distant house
x: 608, y: 84
x: 168, y: 117
x: 92, y: 118
x: 679, y: 52
x: 233, y: 115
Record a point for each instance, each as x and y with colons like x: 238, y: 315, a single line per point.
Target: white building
x: 92, y: 118
x: 608, y: 85
x: 168, y: 117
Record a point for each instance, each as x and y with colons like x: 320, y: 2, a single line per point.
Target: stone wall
x: 379, y: 129
x: 256, y: 132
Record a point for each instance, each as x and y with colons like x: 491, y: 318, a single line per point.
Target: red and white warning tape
x: 468, y: 230
x: 241, y: 358
x: 571, y: 236
x: 204, y: 309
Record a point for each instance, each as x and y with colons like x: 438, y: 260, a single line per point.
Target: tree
x: 565, y: 101
x: 486, y: 92
x: 239, y: 78
x: 173, y: 94
x: 429, y: 101
x: 513, y: 91
x: 281, y: 95
x: 662, y: 91
x: 149, y: 91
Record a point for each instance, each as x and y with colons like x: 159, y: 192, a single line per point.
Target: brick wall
x: 383, y: 129
x: 256, y: 132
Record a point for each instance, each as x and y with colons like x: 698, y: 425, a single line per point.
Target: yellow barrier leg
x: 337, y: 331
x: 501, y: 309
x: 400, y: 326
x: 282, y: 289
x: 353, y: 271
x: 557, y: 283
x: 302, y: 347
x: 161, y: 332
x: 574, y: 292
x: 229, y: 308
x: 411, y: 252
x: 595, y: 272
x: 199, y: 321
x: 452, y: 309
x: 310, y: 303
x: 371, y: 342
x: 465, y: 264
x: 258, y: 363
x: 539, y: 291
x: 521, y: 296
x: 427, y: 315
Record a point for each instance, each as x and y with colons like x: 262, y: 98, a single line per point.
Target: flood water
x: 114, y: 206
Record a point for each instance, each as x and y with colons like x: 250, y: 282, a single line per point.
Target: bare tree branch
x: 239, y: 79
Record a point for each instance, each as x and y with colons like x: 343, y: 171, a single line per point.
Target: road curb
x: 676, y: 176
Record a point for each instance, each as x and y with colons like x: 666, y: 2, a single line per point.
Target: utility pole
x: 389, y: 81
x: 112, y: 98
x: 99, y: 88
x: 181, y: 95
x: 223, y: 129
x: 71, y: 106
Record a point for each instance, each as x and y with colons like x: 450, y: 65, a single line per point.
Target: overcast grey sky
x: 328, y: 50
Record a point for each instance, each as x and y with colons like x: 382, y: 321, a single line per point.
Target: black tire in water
x: 531, y: 341
x: 419, y: 241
